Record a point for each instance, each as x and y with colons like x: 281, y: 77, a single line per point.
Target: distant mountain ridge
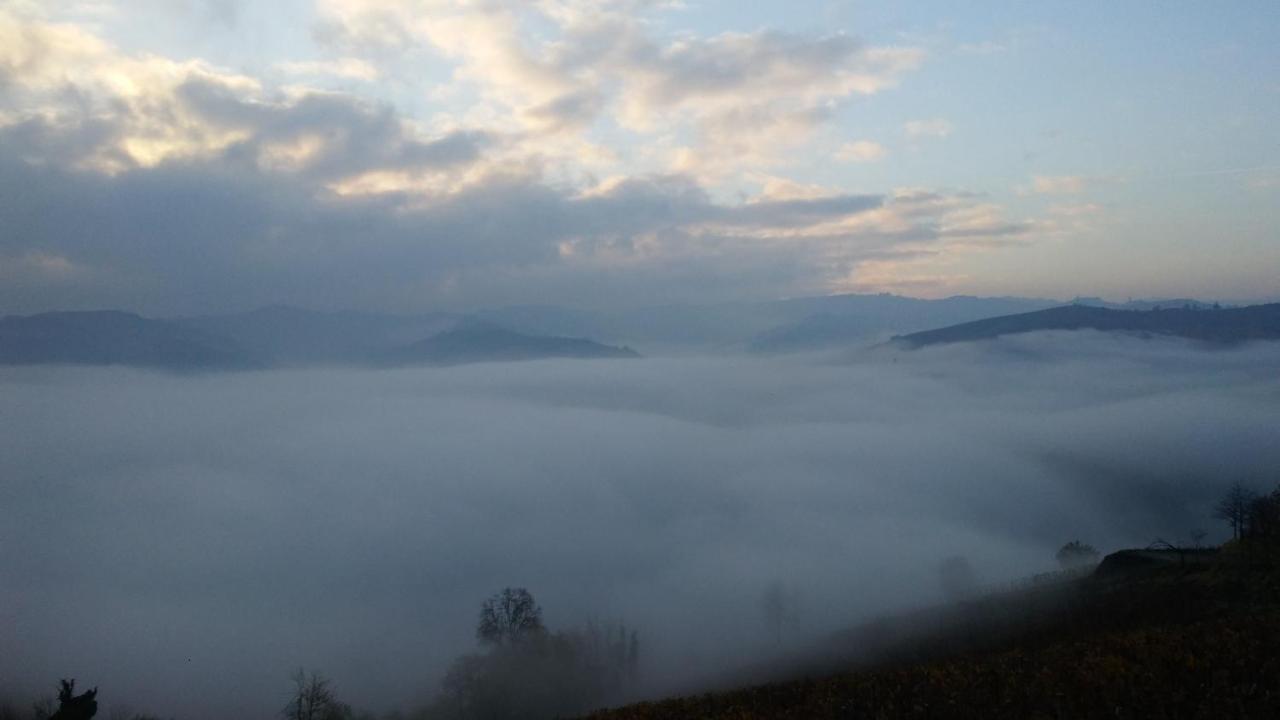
x: 281, y: 336
x: 275, y: 337
x: 110, y: 337
x: 1220, y: 326
x: 847, y: 320
x: 478, y: 341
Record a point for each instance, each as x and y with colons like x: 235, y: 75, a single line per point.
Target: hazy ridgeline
x: 187, y: 542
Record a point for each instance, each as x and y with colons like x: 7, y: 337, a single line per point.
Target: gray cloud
x: 144, y: 183
x: 351, y: 136
x: 224, y: 233
x: 173, y: 538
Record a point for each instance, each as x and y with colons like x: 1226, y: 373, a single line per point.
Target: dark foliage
x: 509, y: 617
x: 1076, y: 554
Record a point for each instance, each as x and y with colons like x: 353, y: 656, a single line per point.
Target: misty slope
x: 1193, y: 641
x: 849, y: 319
x: 1233, y: 325
x: 478, y: 341
x: 113, y: 338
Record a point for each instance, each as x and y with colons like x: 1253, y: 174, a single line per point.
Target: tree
x: 509, y: 618
x: 72, y: 706
x: 1262, y: 517
x: 526, y: 670
x: 1075, y: 555
x: 1234, y: 508
x: 313, y: 699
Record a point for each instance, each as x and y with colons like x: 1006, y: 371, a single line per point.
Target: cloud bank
x: 173, y: 185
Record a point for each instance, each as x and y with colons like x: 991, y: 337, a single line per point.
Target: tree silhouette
x: 1076, y: 554
x: 508, y: 618
x: 313, y: 699
x: 1262, y: 517
x: 72, y: 706
x: 528, y: 671
x: 1234, y: 508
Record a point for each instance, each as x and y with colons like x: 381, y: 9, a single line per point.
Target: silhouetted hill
x: 479, y: 341
x: 1225, y: 326
x: 1153, y: 304
x: 274, y: 337
x: 113, y: 338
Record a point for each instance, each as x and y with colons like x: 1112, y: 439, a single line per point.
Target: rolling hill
x: 276, y: 337
x: 478, y: 341
x: 288, y: 336
x: 844, y: 320
x: 1219, y: 326
x: 114, y: 338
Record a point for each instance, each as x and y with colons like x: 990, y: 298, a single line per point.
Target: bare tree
x: 313, y: 699
x: 508, y: 618
x: 1234, y: 508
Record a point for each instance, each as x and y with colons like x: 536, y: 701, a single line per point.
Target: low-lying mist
x: 187, y: 542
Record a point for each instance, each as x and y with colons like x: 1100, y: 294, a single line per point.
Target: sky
x: 192, y: 156
x: 186, y: 542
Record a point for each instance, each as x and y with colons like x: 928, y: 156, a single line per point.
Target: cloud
x: 862, y: 151
x: 327, y: 202
x: 935, y: 128
x: 362, y: 516
x: 742, y: 98
x: 180, y: 186
x: 347, y: 68
x: 1059, y: 184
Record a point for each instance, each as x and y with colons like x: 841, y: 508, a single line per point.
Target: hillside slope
x: 113, y: 338
x: 1223, y: 326
x: 849, y: 320
x: 1170, y: 641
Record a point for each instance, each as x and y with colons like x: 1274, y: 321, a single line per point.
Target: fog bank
x: 185, y: 543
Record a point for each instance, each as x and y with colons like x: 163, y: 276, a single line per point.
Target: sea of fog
x: 186, y: 542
